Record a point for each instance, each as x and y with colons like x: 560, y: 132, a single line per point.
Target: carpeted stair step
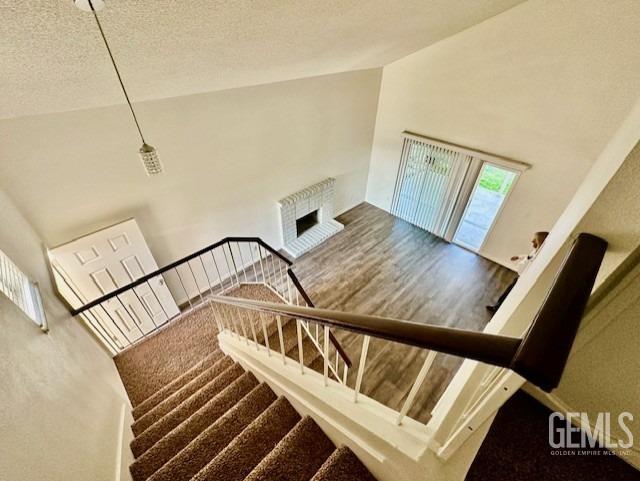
x: 254, y: 316
x: 312, y: 356
x: 215, y: 422
x: 216, y: 437
x: 270, y: 324
x: 343, y: 465
x: 249, y: 448
x: 179, y: 396
x: 310, y: 352
x: 185, y: 409
x: 289, y: 335
x: 318, y: 365
x: 250, y: 292
x: 171, y: 444
x: 297, y: 457
x: 237, y: 319
x: 157, y: 397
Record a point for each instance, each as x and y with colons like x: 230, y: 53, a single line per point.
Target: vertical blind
x: 428, y: 184
x: 20, y: 290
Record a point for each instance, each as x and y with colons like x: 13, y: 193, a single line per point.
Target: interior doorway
x: 99, y: 263
x: 490, y: 191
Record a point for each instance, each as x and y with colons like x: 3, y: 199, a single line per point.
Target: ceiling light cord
x: 126, y: 96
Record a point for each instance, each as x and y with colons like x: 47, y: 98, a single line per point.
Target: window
x: 21, y: 291
x: 452, y: 191
x: 491, y: 189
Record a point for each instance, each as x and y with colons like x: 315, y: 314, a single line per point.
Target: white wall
x: 62, y: 399
x: 603, y: 368
x: 229, y: 156
x: 602, y: 372
x: 611, y: 182
x: 547, y: 82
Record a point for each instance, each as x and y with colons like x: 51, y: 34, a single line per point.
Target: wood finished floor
x: 384, y: 266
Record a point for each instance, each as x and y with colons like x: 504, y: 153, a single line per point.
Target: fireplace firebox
x: 306, y: 222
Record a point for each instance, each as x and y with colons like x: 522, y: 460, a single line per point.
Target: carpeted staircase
x: 215, y: 421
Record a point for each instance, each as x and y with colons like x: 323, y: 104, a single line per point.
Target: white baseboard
x: 346, y: 209
x: 124, y: 457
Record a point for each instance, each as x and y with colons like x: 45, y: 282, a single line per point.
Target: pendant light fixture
x: 148, y: 153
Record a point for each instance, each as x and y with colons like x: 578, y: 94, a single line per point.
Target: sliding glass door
x: 491, y: 189
x: 428, y: 182
x: 451, y: 191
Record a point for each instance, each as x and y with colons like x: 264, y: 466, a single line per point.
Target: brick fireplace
x: 307, y: 217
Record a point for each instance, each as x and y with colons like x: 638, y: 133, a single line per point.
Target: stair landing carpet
x: 166, y: 354
x: 176, y: 348
x: 202, y: 417
x: 517, y: 449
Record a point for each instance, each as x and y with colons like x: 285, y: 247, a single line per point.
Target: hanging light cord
x: 126, y: 96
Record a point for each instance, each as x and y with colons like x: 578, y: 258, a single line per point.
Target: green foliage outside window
x: 496, y: 179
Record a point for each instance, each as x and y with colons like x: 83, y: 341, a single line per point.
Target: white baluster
x: 253, y: 330
x: 428, y: 362
x: 280, y: 335
x: 264, y: 333
x: 326, y: 355
x: 363, y: 360
x: 244, y: 331
x: 215, y: 316
x: 289, y: 287
x: 300, y: 352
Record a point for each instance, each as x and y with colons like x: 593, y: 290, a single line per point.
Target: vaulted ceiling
x: 52, y: 58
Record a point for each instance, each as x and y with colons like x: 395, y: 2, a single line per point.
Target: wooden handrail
x: 546, y: 345
x: 539, y: 356
x: 490, y: 348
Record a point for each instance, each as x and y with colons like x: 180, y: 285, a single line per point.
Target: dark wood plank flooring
x: 381, y: 265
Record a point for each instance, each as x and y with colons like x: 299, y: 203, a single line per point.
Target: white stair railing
x: 211, y: 277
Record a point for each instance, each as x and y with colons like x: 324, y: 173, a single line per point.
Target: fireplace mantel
x: 317, y: 197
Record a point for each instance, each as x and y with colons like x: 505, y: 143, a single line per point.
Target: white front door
x: 98, y: 264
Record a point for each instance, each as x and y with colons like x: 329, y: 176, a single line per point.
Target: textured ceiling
x: 52, y: 59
